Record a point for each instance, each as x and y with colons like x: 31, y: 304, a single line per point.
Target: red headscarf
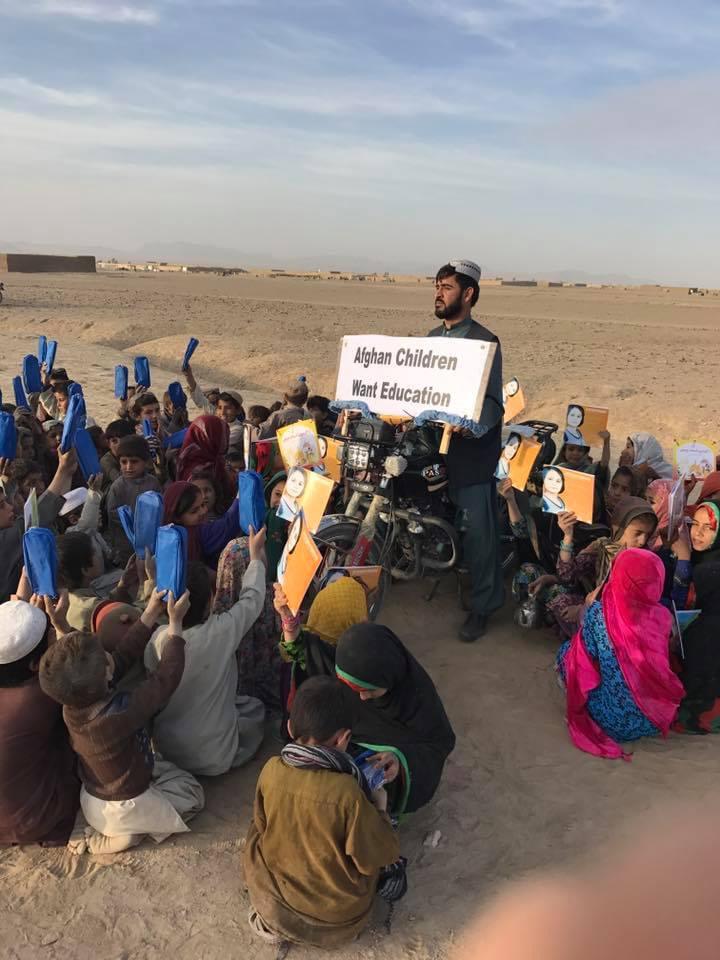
x: 709, y: 490
x: 171, y: 498
x: 660, y: 490
x: 710, y: 487
x: 204, y: 448
x: 638, y: 628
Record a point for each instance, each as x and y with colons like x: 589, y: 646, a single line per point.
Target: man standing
x: 471, y: 461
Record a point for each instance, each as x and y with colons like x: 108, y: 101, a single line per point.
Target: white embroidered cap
x: 468, y: 267
x: 22, y: 627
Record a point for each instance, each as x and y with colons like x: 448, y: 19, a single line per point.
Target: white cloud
x: 304, y: 157
x: 494, y: 19
x: 376, y: 97
x: 97, y: 11
x: 25, y: 89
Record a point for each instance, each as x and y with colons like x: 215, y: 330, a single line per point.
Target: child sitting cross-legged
x: 319, y: 838
x: 206, y: 726
x: 127, y: 793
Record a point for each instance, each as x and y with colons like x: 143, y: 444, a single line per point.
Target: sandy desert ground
x: 516, y: 796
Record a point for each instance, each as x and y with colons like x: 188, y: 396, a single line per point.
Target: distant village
x: 43, y: 263
x: 154, y: 266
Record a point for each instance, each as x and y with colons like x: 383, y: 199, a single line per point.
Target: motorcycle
x: 398, y: 512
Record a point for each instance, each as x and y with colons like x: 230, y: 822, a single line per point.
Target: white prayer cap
x: 22, y: 627
x: 74, y: 500
x: 468, y: 267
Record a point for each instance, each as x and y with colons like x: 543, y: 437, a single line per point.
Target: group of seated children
x: 116, y: 697
x: 634, y: 604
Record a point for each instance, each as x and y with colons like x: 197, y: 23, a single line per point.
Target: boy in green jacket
x: 319, y: 837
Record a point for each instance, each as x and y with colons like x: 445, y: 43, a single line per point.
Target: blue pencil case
x: 87, y: 454
x: 75, y: 388
x: 40, y: 555
x: 175, y: 440
x: 51, y: 354
x: 177, y: 395
x: 252, y: 506
x: 121, y: 382
x: 147, y: 429
x: 192, y: 346
x: 8, y: 436
x: 148, y: 517
x: 142, y: 371
x: 31, y: 374
x: 127, y: 522
x: 20, y: 398
x: 374, y: 776
x: 74, y: 420
x: 42, y: 349
x: 171, y: 559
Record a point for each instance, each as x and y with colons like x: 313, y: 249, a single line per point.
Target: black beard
x: 449, y: 312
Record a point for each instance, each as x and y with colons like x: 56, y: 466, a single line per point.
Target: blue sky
x: 527, y: 134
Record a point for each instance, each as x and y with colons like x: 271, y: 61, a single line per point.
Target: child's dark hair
x: 186, y: 499
x: 635, y: 484
x: 17, y: 673
x: 320, y: 709
x: 200, y: 588
x: 96, y: 434
x: 134, y: 446
x: 276, y: 406
x: 22, y: 469
x: 118, y: 429
x: 75, y: 554
x: 61, y: 386
x: 562, y: 456
x: 258, y: 412
x: 209, y: 477
x: 73, y: 670
x: 59, y: 373
x: 146, y: 400
x: 316, y: 402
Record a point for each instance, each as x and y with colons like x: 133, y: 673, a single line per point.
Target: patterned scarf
x: 258, y: 655
x: 323, y: 758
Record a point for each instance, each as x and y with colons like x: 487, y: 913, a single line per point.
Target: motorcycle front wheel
x: 336, y: 544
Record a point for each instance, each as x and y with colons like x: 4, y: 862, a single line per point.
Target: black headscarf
x: 701, y: 667
x: 409, y: 717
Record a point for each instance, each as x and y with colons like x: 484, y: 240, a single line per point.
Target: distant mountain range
x: 208, y: 255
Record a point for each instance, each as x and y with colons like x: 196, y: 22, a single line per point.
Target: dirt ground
x: 516, y: 795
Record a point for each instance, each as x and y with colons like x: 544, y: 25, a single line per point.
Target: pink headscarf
x: 659, y: 490
x: 638, y: 628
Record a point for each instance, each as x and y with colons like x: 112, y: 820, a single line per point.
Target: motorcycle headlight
x: 395, y: 466
x: 357, y: 456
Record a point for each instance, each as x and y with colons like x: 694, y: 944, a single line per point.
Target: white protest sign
x: 406, y: 376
